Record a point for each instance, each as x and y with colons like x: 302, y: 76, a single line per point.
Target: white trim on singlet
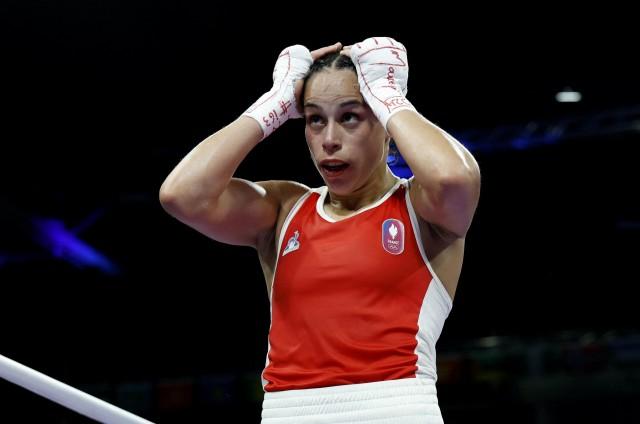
x: 323, y: 195
x: 416, y: 230
x: 436, y: 304
x: 434, y: 310
x: 283, y: 231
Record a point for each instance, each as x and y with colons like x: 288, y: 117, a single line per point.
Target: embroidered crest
x: 292, y: 244
x: 393, y: 236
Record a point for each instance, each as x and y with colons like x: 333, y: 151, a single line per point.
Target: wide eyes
x: 348, y: 118
x: 314, y: 119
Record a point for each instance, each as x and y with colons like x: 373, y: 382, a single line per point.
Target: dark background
x: 102, y: 99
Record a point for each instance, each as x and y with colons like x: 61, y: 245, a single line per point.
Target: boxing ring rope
x: 65, y: 395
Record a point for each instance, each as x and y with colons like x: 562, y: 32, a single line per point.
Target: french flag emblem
x: 393, y: 236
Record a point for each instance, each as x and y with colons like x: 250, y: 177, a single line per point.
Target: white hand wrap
x: 279, y: 104
x: 383, y: 71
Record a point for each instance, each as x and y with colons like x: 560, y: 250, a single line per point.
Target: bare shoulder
x: 284, y: 191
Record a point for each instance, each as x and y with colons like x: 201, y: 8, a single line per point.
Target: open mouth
x: 334, y: 170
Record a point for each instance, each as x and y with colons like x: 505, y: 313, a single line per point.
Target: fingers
x: 324, y: 50
x: 346, y: 50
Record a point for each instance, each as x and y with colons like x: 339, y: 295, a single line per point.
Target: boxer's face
x: 339, y: 126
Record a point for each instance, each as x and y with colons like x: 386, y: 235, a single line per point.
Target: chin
x: 340, y: 188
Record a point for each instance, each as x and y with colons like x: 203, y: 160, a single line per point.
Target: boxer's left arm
x: 446, y: 185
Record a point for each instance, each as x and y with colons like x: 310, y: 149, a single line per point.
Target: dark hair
x: 333, y: 60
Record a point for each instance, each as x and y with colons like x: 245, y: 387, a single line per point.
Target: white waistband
x: 404, y: 401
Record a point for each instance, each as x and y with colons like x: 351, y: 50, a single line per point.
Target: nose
x: 331, y: 140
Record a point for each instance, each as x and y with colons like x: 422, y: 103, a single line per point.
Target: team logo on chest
x: 393, y: 236
x: 292, y: 244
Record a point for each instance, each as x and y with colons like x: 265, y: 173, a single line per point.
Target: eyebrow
x: 344, y: 104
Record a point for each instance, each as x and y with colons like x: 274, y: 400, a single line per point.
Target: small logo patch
x: 292, y: 244
x: 393, y: 236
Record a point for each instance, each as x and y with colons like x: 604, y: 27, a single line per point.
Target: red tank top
x: 352, y: 300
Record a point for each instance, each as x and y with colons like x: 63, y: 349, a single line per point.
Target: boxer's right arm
x: 201, y: 192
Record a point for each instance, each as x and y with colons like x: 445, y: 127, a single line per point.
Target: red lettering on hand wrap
x: 272, y: 119
x: 396, y: 102
x: 390, y: 77
x: 284, y: 106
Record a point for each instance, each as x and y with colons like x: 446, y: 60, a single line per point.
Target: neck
x: 379, y: 184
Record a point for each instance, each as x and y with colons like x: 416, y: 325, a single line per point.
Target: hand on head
x: 327, y: 49
x: 383, y: 72
x: 382, y: 68
x: 281, y: 103
x: 315, y: 55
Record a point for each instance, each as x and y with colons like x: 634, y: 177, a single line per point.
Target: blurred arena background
x: 103, y: 290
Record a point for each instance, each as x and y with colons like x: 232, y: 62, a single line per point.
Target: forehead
x: 332, y: 85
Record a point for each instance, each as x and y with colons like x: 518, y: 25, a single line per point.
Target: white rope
x: 65, y: 395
